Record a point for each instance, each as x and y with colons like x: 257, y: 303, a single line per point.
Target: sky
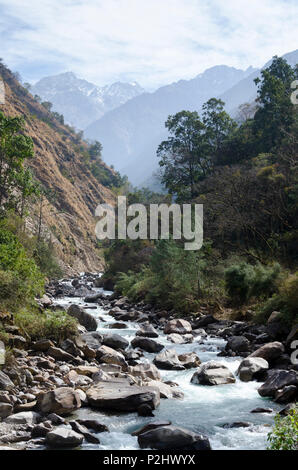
x: 153, y: 42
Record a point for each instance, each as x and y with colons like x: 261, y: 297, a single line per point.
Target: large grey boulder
x: 252, y: 368
x: 173, y: 437
x: 84, y: 318
x: 269, y: 351
x: 93, y: 340
x: 147, y: 330
x: 108, y: 355
x: 5, y: 382
x: 115, y: 341
x: 145, y: 371
x: 237, y: 344
x: 213, y: 373
x: 63, y: 437
x: 61, y: 401
x: 175, y: 338
x: 168, y: 360
x: 189, y: 360
x: 117, y: 395
x: 278, y: 380
x: 180, y: 326
x: 147, y: 344
x: 25, y: 417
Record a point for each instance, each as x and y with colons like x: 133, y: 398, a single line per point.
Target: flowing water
x: 204, y: 409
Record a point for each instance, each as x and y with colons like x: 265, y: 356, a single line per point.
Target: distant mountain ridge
x: 80, y: 101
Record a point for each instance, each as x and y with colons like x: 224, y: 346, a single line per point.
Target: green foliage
x: 284, y: 435
x: 45, y: 258
x: 245, y: 281
x: 20, y: 278
x: 55, y: 325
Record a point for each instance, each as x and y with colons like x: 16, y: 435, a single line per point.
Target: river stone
x: 205, y: 320
x: 178, y: 326
x: 94, y: 424
x: 114, y: 395
x: 115, y: 341
x: 213, y: 373
x: 81, y: 429
x: 173, y: 437
x: 117, y: 326
x: 168, y: 360
x: 252, y: 368
x: 61, y: 401
x: 108, y: 355
x: 42, y: 345
x: 92, y: 339
x: 63, y: 437
x: 25, y: 417
x: 5, y: 382
x: 150, y: 426
x: 84, y: 318
x: 92, y: 299
x: 145, y: 371
x: 237, y: 344
x: 165, y: 390
x: 286, y: 394
x: 147, y: 344
x: 189, y: 360
x: 147, y: 330
x: 269, y: 351
x: 5, y: 410
x: 278, y: 380
x: 59, y: 354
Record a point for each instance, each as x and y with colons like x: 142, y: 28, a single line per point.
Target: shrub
x: 244, y: 281
x: 49, y: 324
x: 284, y: 435
x: 46, y: 260
x: 20, y: 278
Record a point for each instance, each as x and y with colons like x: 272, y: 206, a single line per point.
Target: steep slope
x: 59, y: 165
x: 80, y: 101
x: 131, y: 133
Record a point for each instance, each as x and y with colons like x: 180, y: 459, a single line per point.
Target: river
x: 204, y: 409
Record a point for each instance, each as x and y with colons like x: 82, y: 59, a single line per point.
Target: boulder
x: 150, y: 426
x: 180, y: 339
x: 42, y: 345
x: 147, y: 344
x: 147, y: 330
x: 168, y: 360
x: 61, y: 401
x: 93, y: 340
x: 84, y: 318
x: 237, y: 344
x: 94, y: 425
x: 120, y: 396
x: 26, y: 417
x: 286, y: 394
x: 262, y: 410
x: 108, y: 355
x: 59, y: 354
x: 93, y: 298
x: 293, y: 335
x: 213, y: 373
x: 278, y: 380
x: 165, y: 390
x: 81, y: 429
x: 63, y: 437
x: 204, y: 321
x: 189, y: 360
x: 5, y: 382
x: 178, y: 326
x: 145, y: 371
x: 269, y: 351
x: 117, y: 326
x: 252, y: 368
x: 173, y: 437
x: 87, y: 370
x: 115, y: 341
x: 5, y: 410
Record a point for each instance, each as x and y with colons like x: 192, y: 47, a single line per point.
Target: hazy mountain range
x: 131, y: 130
x: 80, y: 101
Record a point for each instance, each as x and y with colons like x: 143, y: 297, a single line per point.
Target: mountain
x: 59, y: 165
x: 131, y: 133
x: 80, y: 101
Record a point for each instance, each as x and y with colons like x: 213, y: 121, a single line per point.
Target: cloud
x: 154, y: 42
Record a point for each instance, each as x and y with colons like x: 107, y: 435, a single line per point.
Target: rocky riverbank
x: 45, y: 384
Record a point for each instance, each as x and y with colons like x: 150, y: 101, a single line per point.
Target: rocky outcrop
x: 213, y: 373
